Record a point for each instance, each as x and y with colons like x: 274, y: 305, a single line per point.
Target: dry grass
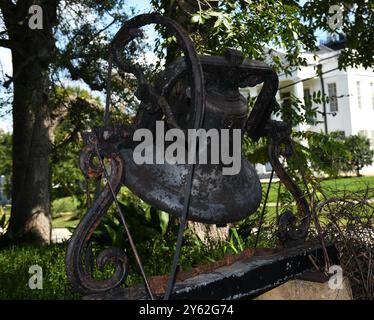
x: 348, y: 222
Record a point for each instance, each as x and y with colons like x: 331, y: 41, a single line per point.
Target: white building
x: 3, y: 199
x: 351, y: 96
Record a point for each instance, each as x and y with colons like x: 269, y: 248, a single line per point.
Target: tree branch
x: 5, y: 43
x: 76, y: 74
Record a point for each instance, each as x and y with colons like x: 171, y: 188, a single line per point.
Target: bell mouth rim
x: 222, y: 202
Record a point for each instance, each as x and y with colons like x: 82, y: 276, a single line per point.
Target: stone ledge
x: 307, y: 290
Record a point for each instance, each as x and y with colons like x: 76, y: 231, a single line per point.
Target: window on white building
x: 307, y: 98
x: 359, y: 100
x: 332, y: 97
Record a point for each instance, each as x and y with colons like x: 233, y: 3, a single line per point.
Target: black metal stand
x: 244, y: 279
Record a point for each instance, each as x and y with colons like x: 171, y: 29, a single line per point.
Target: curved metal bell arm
x: 279, y: 134
x: 264, y: 106
x: 290, y: 233
x: 145, y: 92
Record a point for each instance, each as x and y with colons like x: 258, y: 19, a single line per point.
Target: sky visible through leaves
x: 141, y: 6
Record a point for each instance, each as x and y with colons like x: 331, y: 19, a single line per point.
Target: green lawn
x: 65, y: 220
x: 348, y: 184
x: 67, y: 204
x: 65, y: 212
x: 14, y: 273
x: 16, y: 261
x: 330, y: 186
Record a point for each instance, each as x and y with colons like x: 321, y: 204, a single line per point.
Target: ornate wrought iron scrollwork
x: 289, y: 232
x: 224, y: 76
x: 77, y: 256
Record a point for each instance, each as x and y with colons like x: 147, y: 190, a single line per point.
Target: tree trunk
x: 31, y: 56
x: 208, y: 233
x: 358, y: 172
x: 30, y: 215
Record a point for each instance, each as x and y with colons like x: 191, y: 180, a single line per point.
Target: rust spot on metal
x: 159, y: 283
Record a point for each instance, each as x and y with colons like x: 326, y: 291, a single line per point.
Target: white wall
x: 362, y: 118
x: 349, y: 118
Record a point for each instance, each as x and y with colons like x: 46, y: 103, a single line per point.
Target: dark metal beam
x: 243, y: 279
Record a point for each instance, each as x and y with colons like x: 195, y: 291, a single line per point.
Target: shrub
x: 67, y: 204
x: 360, y: 153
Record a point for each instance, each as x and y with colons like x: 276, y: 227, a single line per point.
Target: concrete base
x: 306, y: 290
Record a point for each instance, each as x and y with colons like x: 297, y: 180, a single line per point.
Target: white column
x: 253, y: 92
x: 298, y: 91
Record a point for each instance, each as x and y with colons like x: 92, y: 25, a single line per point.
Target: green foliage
x: 248, y: 26
x: 334, y: 153
x: 64, y: 205
x: 235, y: 243
x: 74, y: 111
x: 6, y: 160
x: 3, y: 220
x: 82, y: 51
x: 357, y: 26
x: 14, y: 273
x: 329, y: 186
x: 328, y: 152
x: 360, y: 153
x: 255, y: 152
x: 294, y: 111
x: 145, y: 222
x: 83, y: 45
x: 157, y: 253
x: 78, y: 46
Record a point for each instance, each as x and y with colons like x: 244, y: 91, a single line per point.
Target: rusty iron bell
x: 192, y: 92
x: 215, y: 198
x: 197, y: 92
